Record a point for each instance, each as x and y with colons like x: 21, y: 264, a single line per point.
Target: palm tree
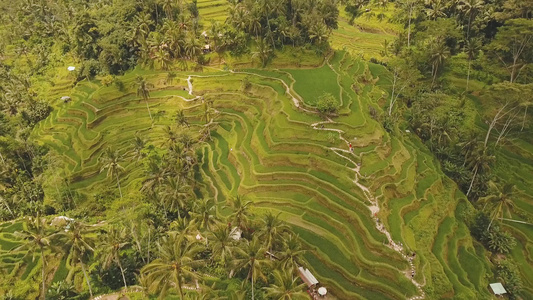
x: 111, y: 161
x: 181, y: 119
x: 170, y: 77
x: 470, y: 145
x: 292, y: 252
x: 318, y: 33
x: 168, y: 7
x: 138, y: 147
x: 286, y: 287
x: 110, y: 248
x: 471, y: 49
x: 192, y: 47
x: 155, y: 177
x: 251, y: 256
x: 78, y: 240
x: 470, y: 8
x: 162, y: 57
x: 272, y: 229
x: 141, y: 29
x: 143, y: 90
x: 264, y: 52
x: 221, y: 243
x: 38, y: 237
x: 439, y: 53
x: 241, y: 212
x: 480, y: 161
x: 499, y: 200
x: 204, y: 213
x: 171, y: 137
x: 175, y: 193
x: 176, y: 263
x: 436, y: 10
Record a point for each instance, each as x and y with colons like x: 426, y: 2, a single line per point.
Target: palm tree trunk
x: 468, y: 75
x: 491, y: 222
x: 148, y: 246
x: 180, y: 289
x: 86, y: 279
x: 2, y: 157
x: 524, y: 119
x: 436, y: 70
x: 42, y: 273
x: 253, y: 295
x: 409, y: 28
x: 118, y: 184
x: 472, y: 182
x: 149, y: 113
x: 123, y: 277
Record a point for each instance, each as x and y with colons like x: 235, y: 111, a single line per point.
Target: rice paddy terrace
x: 358, y: 212
x: 19, y: 270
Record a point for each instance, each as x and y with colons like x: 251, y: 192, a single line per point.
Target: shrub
x: 107, y: 80
x: 246, y: 84
x: 508, y: 273
x: 327, y: 104
x: 500, y: 241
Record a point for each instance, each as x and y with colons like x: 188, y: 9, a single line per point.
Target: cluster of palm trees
x: 281, y: 22
x: 186, y: 255
x: 21, y: 161
x: 188, y: 252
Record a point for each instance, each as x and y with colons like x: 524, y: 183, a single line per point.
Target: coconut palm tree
x: 110, y: 247
x: 37, y: 237
x: 168, y: 7
x: 111, y: 161
x: 143, y: 90
x: 181, y: 119
x: 171, y: 137
x: 251, y: 256
x: 439, y: 53
x: 499, y: 201
x: 175, y: 193
x: 472, y: 47
x: 264, y: 52
x: 272, y: 230
x: 436, y: 10
x: 170, y: 77
x: 155, y: 177
x: 221, y: 243
x: 78, y: 240
x: 479, y: 162
x: 470, y: 9
x: 286, y: 287
x: 204, y: 213
x: 241, y: 211
x: 176, y: 263
x: 138, y: 146
x: 162, y: 57
x: 292, y: 253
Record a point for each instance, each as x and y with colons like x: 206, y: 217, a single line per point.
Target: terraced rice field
x: 18, y: 272
x: 213, y: 10
x: 366, y: 37
x: 357, y: 212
